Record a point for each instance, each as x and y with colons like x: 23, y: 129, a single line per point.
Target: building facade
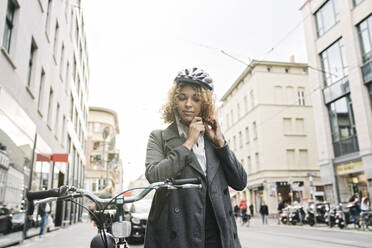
x: 267, y: 120
x: 339, y: 46
x: 43, y: 99
x: 104, y: 170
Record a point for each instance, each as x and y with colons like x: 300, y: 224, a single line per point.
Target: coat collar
x: 172, y: 140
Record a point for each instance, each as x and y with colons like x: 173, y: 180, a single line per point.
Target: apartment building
x: 44, y: 79
x: 339, y: 46
x: 104, y: 170
x: 267, y: 119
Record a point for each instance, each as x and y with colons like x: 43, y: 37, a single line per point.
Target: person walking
x: 192, y: 146
x: 251, y: 209
x: 264, y: 211
x: 43, y: 212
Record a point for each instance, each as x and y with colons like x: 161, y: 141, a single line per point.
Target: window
x: 50, y: 104
x: 249, y: 164
x: 74, y: 69
x: 61, y: 61
x: 47, y: 20
x: 240, y: 139
x: 301, y: 96
x: 31, y: 62
x: 41, y: 91
x: 232, y: 117
x: 357, y: 2
x: 252, y: 98
x: 326, y: 17
x: 67, y: 72
x: 71, y: 107
x: 365, y: 37
x: 290, y: 153
x: 57, y: 120
x: 245, y: 104
x: 334, y: 63
x: 278, y: 91
x: 287, y: 126
x: 56, y: 34
x: 268, y: 69
x: 257, y: 158
x: 286, y: 70
x: 246, y: 135
x: 77, y: 33
x: 289, y: 92
x: 238, y: 109
x: 63, y: 130
x: 254, y: 130
x: 303, y: 158
x: 9, y: 25
x: 343, y: 129
x: 300, y: 126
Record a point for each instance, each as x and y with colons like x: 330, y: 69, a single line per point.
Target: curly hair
x: 169, y: 109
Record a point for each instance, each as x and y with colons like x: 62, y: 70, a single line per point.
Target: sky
x: 136, y: 48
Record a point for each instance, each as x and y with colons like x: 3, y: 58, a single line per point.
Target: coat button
x: 176, y: 210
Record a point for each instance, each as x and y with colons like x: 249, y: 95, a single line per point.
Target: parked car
x: 139, y: 213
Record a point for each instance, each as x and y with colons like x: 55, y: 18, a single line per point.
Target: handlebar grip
x: 186, y: 181
x: 38, y: 195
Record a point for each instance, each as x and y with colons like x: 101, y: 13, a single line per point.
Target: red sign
x: 43, y: 157
x: 60, y: 157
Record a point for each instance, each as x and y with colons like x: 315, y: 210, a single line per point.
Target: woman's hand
x: 213, y: 129
x: 196, y: 128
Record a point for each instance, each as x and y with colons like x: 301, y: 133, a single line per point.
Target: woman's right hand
x: 196, y: 128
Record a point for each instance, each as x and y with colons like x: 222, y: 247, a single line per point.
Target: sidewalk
x: 257, y: 221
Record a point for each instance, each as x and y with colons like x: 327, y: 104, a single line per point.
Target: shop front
x: 351, y: 180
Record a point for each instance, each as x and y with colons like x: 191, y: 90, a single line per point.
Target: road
x: 254, y: 236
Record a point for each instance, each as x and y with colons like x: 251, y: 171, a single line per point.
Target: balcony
x: 346, y: 146
x: 336, y: 90
x: 367, y: 72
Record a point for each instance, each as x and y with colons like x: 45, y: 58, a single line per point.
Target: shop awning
x: 255, y: 186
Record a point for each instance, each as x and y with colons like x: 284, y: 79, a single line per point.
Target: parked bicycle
x: 113, y: 228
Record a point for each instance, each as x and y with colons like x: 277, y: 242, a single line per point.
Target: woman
x: 192, y: 146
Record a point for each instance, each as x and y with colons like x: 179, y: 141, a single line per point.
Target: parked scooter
x: 284, y: 216
x: 330, y: 216
x: 296, y: 215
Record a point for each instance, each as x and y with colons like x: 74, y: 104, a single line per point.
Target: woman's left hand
x: 213, y: 130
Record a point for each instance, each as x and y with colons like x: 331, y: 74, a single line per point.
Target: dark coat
x: 264, y: 210
x: 176, y: 217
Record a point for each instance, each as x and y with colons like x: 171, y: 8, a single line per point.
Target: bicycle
x: 113, y: 228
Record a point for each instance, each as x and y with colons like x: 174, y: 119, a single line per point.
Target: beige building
x: 339, y: 46
x: 104, y: 171
x: 44, y: 78
x: 268, y: 121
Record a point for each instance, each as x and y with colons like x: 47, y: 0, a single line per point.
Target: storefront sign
x: 349, y: 168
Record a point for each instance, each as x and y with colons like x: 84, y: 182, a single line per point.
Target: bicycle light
x: 121, y: 229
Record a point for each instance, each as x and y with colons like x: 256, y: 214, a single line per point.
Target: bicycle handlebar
x: 63, y: 192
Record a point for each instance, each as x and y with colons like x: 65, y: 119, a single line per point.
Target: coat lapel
x: 173, y: 140
x: 212, y: 161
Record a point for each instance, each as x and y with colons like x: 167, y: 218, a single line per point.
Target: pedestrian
x: 236, y: 211
x: 192, y: 146
x: 264, y: 211
x: 281, y: 206
x: 251, y: 209
x: 43, y: 212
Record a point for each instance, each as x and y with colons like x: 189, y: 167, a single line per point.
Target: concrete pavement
x: 254, y: 236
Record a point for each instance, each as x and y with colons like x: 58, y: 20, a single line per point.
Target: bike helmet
x: 195, y: 76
